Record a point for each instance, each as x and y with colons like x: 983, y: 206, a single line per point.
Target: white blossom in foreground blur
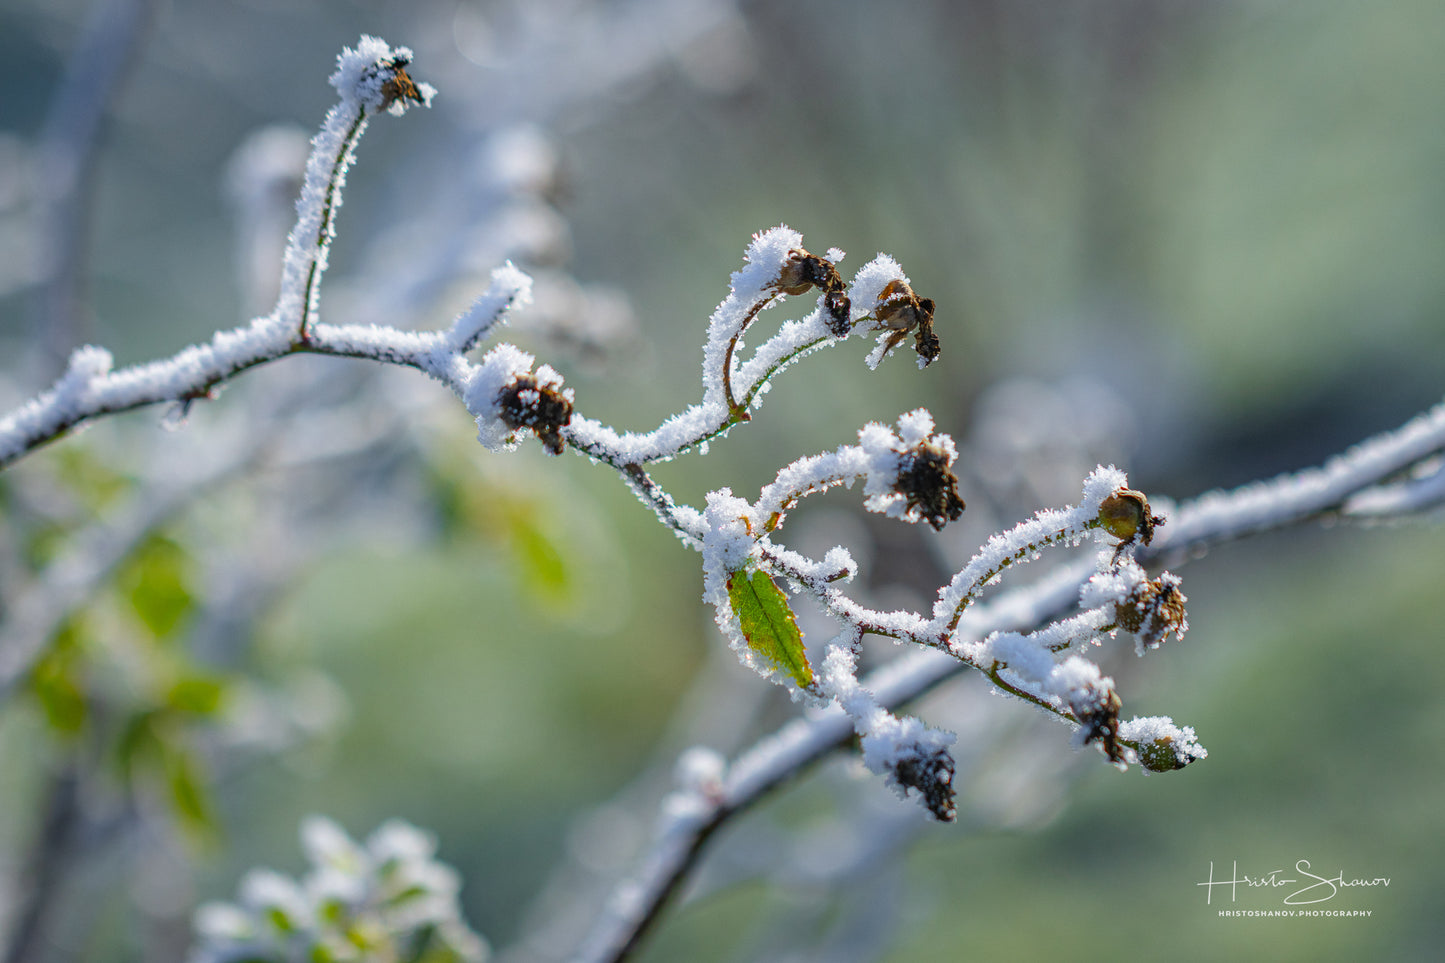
x: 388, y: 901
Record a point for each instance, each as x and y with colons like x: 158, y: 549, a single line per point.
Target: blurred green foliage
x: 1232, y: 212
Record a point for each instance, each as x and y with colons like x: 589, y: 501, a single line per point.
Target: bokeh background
x: 1200, y: 240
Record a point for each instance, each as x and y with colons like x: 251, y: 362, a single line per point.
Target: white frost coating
x: 877, y: 459
x: 726, y: 547
x: 509, y: 289
x: 869, y: 282
x: 751, y: 288
x: 1075, y: 684
x: 795, y: 340
x: 72, y: 394
x: 1221, y: 515
x: 867, y: 288
x: 1155, y: 729
x: 1050, y: 527
x: 807, y: 476
x: 1113, y: 582
x: 499, y: 368
x: 887, y: 739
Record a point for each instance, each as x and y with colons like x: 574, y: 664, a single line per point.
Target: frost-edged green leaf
x: 767, y: 623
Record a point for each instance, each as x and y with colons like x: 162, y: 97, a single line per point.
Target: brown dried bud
x: 901, y: 311
x: 1101, y: 724
x: 931, y: 775
x: 544, y: 408
x: 837, y: 305
x: 1125, y: 515
x: 1154, y: 610
x: 925, y: 480
x: 399, y: 87
x: 803, y: 271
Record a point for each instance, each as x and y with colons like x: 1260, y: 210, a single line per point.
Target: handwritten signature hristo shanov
x: 1318, y: 889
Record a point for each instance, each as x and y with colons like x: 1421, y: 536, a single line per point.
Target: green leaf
x: 767, y: 623
x: 190, y: 797
x: 56, y: 682
x: 157, y: 584
x: 196, y: 694
x: 539, y: 559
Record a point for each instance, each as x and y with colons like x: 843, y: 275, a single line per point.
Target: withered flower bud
x: 838, y: 306
x: 803, y: 271
x: 1101, y: 724
x: 931, y: 775
x: 545, y: 409
x: 399, y: 86
x: 1153, y: 610
x: 901, y: 311
x: 1125, y: 515
x: 925, y: 480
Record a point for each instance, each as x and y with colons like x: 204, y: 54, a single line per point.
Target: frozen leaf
x: 767, y: 622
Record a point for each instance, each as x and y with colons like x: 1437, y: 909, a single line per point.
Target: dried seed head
x: 1100, y: 720
x: 901, y: 311
x: 838, y: 307
x: 931, y: 488
x: 1153, y: 611
x: 544, y: 408
x: 931, y: 775
x: 399, y: 86
x: 803, y: 271
x: 1125, y: 515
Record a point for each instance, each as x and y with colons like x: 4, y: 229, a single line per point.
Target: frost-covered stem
x: 778, y: 365
x: 326, y: 231
x: 977, y: 581
x: 1338, y: 486
x: 738, y: 412
x: 662, y: 505
x: 90, y: 390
